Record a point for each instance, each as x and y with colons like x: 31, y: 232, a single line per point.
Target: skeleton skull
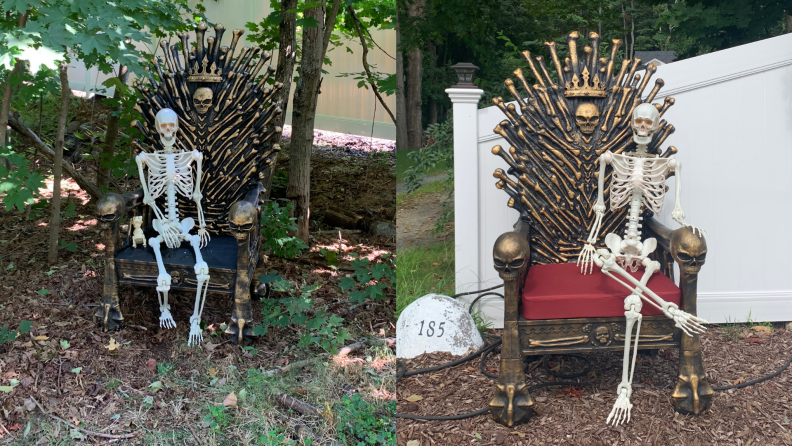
x: 689, y: 250
x: 511, y: 254
x: 645, y: 121
x: 602, y: 334
x: 587, y: 117
x: 202, y: 99
x: 167, y: 122
x: 241, y: 218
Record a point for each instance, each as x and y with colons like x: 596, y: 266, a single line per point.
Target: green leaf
x: 65, y: 344
x: 347, y: 283
x: 19, y: 6
x: 25, y: 326
x: 76, y: 434
x: 155, y: 386
x: 43, y: 292
x: 77, y: 370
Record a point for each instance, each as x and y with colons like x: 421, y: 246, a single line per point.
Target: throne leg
x: 240, y: 327
x: 512, y: 403
x: 692, y: 394
x: 109, y: 316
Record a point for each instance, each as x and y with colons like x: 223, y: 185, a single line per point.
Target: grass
x: 422, y: 192
x: 424, y: 270
x: 403, y: 163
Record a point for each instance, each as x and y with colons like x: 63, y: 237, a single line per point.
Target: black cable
x: 401, y: 372
x: 757, y: 380
x: 476, y: 292
x: 470, y: 308
x: 447, y: 418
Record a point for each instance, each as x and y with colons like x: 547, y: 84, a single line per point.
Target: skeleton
x: 169, y: 173
x: 638, y: 179
x: 137, y: 234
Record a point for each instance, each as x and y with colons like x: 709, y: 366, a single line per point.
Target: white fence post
x: 466, y: 185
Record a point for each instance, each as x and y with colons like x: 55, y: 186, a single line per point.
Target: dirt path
x: 401, y: 188
x: 416, y: 219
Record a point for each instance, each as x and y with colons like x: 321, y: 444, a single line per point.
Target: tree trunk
x: 304, y: 114
x: 433, y: 64
x: 111, y: 135
x: 5, y: 107
x: 401, y: 105
x: 57, y: 169
x: 283, y: 74
x: 414, y: 75
x: 787, y: 22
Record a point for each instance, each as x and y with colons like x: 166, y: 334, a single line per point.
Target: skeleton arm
x: 198, y: 157
x: 141, y: 161
x: 587, y: 253
x: 677, y: 214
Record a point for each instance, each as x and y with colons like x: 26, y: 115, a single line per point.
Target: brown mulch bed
x: 758, y: 414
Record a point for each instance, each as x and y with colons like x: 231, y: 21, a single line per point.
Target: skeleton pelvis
x: 630, y: 255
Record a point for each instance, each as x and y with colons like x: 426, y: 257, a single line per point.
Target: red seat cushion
x: 560, y: 291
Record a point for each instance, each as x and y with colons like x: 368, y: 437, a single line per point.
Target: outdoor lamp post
x: 464, y: 71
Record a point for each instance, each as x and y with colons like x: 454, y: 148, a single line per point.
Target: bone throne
x: 224, y: 107
x: 557, y: 132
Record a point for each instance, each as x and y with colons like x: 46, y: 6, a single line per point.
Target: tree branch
x: 366, y: 67
x: 329, y: 25
x: 81, y: 181
x: 85, y: 431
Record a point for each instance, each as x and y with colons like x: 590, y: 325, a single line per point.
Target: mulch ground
x: 756, y: 415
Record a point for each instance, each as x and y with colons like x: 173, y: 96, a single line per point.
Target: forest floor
x: 145, y: 380
x: 575, y: 415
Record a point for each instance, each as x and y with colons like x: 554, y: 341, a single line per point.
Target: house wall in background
x: 342, y: 107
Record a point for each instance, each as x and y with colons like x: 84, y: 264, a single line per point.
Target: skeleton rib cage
x: 225, y: 109
x: 553, y: 154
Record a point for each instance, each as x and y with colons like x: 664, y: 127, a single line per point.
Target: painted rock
x: 436, y: 323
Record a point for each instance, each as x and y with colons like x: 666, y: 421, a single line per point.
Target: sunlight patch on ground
x: 68, y: 188
x: 82, y: 224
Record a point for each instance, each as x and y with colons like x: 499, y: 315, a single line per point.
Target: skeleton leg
x: 163, y: 285
x: 683, y: 320
x: 633, y: 306
x: 202, y: 274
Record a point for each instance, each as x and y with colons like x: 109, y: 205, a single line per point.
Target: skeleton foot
x: 511, y: 404
x: 622, y: 406
x: 166, y: 320
x: 685, y: 321
x: 196, y: 334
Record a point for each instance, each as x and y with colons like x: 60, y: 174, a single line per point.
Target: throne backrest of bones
x: 557, y: 136
x: 225, y: 112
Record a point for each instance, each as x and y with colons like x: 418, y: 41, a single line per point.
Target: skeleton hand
x: 171, y: 233
x: 679, y: 217
x: 585, y: 258
x: 205, y: 238
x: 683, y: 320
x: 196, y: 335
x: 621, y: 407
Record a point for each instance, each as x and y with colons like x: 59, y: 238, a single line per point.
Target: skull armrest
x: 511, y: 256
x: 242, y: 216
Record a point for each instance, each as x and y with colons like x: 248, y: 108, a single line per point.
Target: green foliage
x: 276, y: 223
x: 276, y: 437
x: 359, y: 424
x: 7, y: 335
x: 319, y: 328
x: 374, y: 279
x: 216, y: 418
x: 19, y: 184
x: 439, y: 151
x: 423, y: 270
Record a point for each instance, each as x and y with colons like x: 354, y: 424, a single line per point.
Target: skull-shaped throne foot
x: 511, y: 404
x: 692, y: 394
x: 109, y: 317
x: 237, y: 326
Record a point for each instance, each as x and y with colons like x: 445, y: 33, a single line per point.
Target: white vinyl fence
x: 733, y: 120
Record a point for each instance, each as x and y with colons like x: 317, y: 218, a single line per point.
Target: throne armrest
x: 689, y: 251
x: 111, y: 207
x: 243, y: 215
x: 512, y: 258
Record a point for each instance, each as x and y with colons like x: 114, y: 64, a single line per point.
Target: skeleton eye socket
x: 701, y: 258
x: 516, y: 263
x: 206, y: 102
x: 683, y: 257
x: 499, y: 263
x: 646, y: 122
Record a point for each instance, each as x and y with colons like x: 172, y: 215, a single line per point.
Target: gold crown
x: 205, y: 73
x: 575, y: 90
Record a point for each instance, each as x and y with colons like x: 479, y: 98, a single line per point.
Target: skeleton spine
x: 172, y: 207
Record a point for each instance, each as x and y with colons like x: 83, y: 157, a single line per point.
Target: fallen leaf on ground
x: 752, y: 341
x: 155, y: 386
x: 212, y: 372
x: 151, y: 364
x: 40, y: 338
x: 113, y: 345
x: 413, y: 398
x: 230, y: 400
x: 762, y: 329
x: 738, y: 381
